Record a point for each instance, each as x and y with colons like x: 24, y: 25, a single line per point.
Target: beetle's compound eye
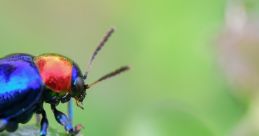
x: 79, y: 88
x: 79, y: 84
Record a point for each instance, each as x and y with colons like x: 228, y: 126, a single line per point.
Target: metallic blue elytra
x: 20, y: 84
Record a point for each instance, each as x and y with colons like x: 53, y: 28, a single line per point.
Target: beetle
x: 27, y: 82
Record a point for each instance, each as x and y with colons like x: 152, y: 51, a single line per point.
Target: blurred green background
x: 175, y: 87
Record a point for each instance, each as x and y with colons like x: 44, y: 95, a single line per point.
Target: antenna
x: 98, y: 48
x: 109, y: 75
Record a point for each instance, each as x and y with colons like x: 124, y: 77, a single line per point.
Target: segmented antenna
x: 98, y: 48
x: 112, y: 74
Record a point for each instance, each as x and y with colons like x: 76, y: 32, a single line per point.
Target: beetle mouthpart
x: 79, y: 104
x: 86, y: 86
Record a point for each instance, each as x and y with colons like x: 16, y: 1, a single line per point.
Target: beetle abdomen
x: 20, y: 85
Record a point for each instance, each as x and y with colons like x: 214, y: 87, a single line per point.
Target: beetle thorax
x: 55, y: 71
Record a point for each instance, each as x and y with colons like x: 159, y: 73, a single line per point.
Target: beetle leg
x: 70, y: 111
x: 11, y: 126
x: 66, y: 98
x: 64, y: 121
x: 44, y: 124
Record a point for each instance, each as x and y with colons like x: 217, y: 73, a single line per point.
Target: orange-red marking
x: 56, y: 72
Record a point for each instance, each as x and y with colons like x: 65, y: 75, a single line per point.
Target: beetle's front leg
x: 44, y: 124
x: 66, y: 98
x: 63, y: 120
